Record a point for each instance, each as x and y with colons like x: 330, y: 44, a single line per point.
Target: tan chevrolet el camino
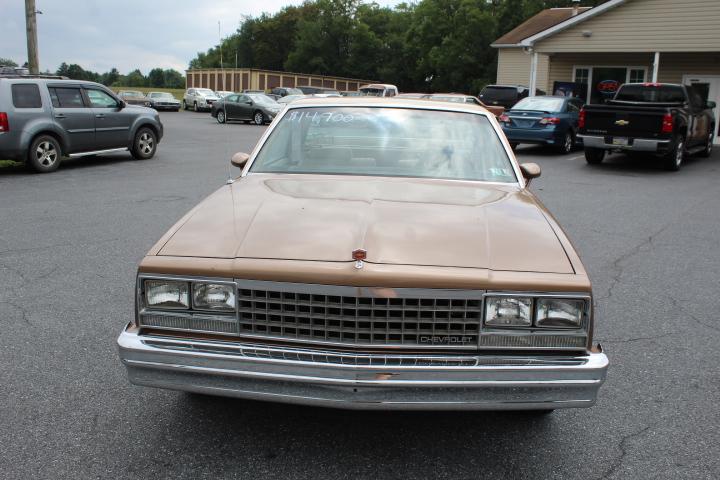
x: 373, y: 253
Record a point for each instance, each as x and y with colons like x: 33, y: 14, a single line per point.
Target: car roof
x: 387, y: 102
x: 54, y: 81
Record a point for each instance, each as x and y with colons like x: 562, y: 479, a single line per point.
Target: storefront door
x: 709, y: 88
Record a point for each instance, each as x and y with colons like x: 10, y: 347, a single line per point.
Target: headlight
x: 508, y: 311
x: 167, y: 294
x: 559, y: 312
x: 212, y: 296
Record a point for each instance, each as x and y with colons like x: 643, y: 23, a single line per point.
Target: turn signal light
x: 581, y: 119
x: 4, y: 124
x: 667, y: 125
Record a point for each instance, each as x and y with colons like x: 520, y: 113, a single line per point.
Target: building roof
x: 538, y: 23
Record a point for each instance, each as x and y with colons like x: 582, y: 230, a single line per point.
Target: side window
x: 572, y: 107
x: 243, y: 99
x: 100, y: 99
x: 695, y: 99
x: 69, y: 97
x: 54, y: 97
x: 26, y: 96
x: 232, y: 98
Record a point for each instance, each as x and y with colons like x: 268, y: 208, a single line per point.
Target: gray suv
x: 43, y: 120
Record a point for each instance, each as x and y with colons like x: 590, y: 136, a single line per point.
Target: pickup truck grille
x: 362, y: 316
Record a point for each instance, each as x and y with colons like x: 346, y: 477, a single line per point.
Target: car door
x: 573, y: 112
x: 244, y: 107
x: 112, y: 125
x: 73, y: 115
x: 700, y: 122
x: 231, y: 107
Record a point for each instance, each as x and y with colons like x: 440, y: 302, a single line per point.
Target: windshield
x: 372, y: 92
x: 204, y: 91
x: 130, y: 93
x: 390, y: 142
x: 293, y: 91
x: 162, y: 95
x: 499, y: 93
x: 659, y: 94
x: 543, y: 104
x: 262, y: 99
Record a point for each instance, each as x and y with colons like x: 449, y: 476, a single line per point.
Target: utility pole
x: 31, y: 27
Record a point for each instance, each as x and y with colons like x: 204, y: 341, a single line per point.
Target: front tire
x: 184, y: 105
x: 594, y: 156
x: 221, y: 116
x: 674, y: 158
x: 195, y: 107
x: 144, y: 144
x: 258, y: 118
x: 45, y: 154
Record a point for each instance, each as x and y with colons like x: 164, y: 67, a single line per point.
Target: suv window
x: 66, y: 97
x: 26, y: 96
x: 100, y: 99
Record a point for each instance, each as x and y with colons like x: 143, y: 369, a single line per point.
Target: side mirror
x: 240, y: 159
x: 711, y: 104
x: 122, y: 104
x: 529, y: 171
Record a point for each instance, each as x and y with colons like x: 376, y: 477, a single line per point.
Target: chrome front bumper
x: 363, y: 381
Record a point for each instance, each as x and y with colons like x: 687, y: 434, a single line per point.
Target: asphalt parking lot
x: 70, y: 242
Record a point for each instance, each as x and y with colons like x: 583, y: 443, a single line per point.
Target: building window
x: 636, y: 75
x: 582, y: 75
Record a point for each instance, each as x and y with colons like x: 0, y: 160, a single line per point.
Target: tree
x: 6, y: 62
x: 156, y: 78
x: 111, y: 77
x: 173, y: 79
x: 135, y: 79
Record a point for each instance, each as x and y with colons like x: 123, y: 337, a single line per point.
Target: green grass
x: 9, y: 164
x: 177, y: 92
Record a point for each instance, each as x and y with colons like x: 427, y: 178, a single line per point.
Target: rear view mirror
x: 711, y: 104
x: 240, y: 159
x: 529, y: 171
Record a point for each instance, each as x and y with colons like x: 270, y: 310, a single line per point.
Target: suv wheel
x: 195, y: 107
x: 221, y: 116
x: 258, y: 118
x: 145, y: 144
x: 45, y: 154
x: 594, y: 156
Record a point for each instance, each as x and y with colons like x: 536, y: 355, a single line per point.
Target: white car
x: 199, y: 99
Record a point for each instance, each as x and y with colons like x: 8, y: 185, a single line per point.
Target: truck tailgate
x: 619, y: 121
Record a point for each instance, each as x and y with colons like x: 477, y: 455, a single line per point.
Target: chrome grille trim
x: 360, y: 316
x: 317, y: 356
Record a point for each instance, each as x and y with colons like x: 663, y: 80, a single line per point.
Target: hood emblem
x: 359, y: 255
x: 622, y: 123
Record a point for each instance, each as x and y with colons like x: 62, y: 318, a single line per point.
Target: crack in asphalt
x: 617, y: 463
x: 640, y: 339
x: 25, y: 314
x: 677, y: 305
x: 65, y: 244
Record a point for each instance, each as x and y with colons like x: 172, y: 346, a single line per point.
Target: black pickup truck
x: 668, y: 120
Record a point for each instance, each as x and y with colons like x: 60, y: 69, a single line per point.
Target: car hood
x: 397, y: 221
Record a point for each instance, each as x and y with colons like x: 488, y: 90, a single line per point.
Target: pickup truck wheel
x: 674, y: 158
x: 594, y: 156
x: 45, y: 154
x: 707, y: 151
x: 221, y: 116
x: 144, y: 145
x: 567, y: 145
x: 258, y: 118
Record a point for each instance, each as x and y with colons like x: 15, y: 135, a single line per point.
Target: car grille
x: 392, y: 317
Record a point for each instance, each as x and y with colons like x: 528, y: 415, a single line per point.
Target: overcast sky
x: 127, y: 34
